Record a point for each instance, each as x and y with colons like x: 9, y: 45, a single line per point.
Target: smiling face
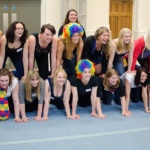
x: 34, y: 82
x: 4, y: 81
x: 103, y: 38
x: 113, y: 80
x: 19, y: 30
x: 143, y: 77
x: 75, y: 38
x: 127, y: 38
x: 72, y: 17
x: 60, y: 78
x: 86, y: 75
x: 47, y: 35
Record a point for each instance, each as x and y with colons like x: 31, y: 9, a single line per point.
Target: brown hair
x: 108, y: 74
x: 6, y: 72
x: 49, y: 27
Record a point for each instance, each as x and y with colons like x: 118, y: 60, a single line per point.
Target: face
x: 4, y: 81
x: 75, y: 38
x: 143, y: 77
x: 103, y: 38
x: 86, y: 74
x: 34, y: 82
x: 47, y: 35
x: 72, y: 17
x: 127, y: 38
x: 19, y: 30
x: 60, y: 79
x: 113, y: 80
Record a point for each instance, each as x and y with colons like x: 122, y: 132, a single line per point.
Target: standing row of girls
x: 66, y: 51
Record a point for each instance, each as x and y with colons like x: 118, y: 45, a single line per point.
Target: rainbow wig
x: 82, y: 64
x: 70, y: 29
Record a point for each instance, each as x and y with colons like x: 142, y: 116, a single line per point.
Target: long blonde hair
x: 69, y: 47
x: 147, y: 39
x: 32, y: 74
x: 106, y: 48
x: 108, y: 74
x: 56, y: 73
x: 120, y: 46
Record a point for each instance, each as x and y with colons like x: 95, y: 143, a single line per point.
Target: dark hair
x: 49, y: 27
x: 138, y: 75
x: 66, y: 21
x: 10, y: 33
x: 6, y: 72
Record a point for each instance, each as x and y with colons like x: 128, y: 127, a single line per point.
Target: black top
x: 41, y: 57
x: 53, y: 97
x: 85, y: 89
x: 60, y: 32
x: 120, y: 89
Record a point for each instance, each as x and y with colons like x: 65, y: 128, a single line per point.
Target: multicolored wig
x: 72, y: 28
x: 82, y: 64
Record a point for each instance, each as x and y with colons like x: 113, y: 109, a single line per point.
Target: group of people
x: 71, y: 70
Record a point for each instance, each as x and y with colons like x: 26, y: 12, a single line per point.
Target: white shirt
x: 12, y: 86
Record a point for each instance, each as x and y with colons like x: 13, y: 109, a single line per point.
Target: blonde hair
x: 147, y: 39
x: 69, y: 47
x: 108, y: 74
x: 56, y: 73
x: 105, y: 47
x: 120, y: 40
x: 32, y: 74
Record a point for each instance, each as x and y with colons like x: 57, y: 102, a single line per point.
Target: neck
x: 84, y: 81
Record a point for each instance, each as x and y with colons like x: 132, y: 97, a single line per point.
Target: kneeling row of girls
x: 35, y: 94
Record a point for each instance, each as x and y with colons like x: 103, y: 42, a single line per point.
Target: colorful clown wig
x: 70, y: 29
x: 82, y: 64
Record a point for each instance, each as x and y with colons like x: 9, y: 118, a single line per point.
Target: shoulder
x: 31, y: 38
x: 3, y: 40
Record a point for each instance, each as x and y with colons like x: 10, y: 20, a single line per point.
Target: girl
x: 8, y: 86
x: 40, y: 46
x: 121, y: 46
x: 112, y: 88
x: 70, y: 48
x: 136, y: 87
x: 31, y: 95
x: 15, y: 46
x: 71, y: 17
x: 97, y: 49
x: 57, y: 91
x: 85, y: 89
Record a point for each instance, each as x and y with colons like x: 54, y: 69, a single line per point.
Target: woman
x: 57, y: 91
x: 113, y: 89
x: 8, y: 86
x: 97, y: 49
x: 31, y: 95
x: 15, y: 46
x: 121, y: 46
x: 70, y: 48
x: 142, y: 51
x: 136, y: 87
x: 41, y: 45
x: 85, y: 89
x: 71, y: 17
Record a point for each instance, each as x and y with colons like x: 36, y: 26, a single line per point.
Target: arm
x: 47, y: 95
x: 31, y: 49
x: 60, y: 50
x: 130, y: 57
x: 112, y: 55
x: 16, y: 102
x: 123, y: 105
x: 39, y: 113
x: 74, y: 101
x: 66, y: 100
x: 145, y: 99
x: 53, y: 55
x: 94, y: 101
x: 80, y: 50
x: 3, y: 42
x: 25, y: 59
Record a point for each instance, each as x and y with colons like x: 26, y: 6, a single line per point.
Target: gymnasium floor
x: 58, y: 133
